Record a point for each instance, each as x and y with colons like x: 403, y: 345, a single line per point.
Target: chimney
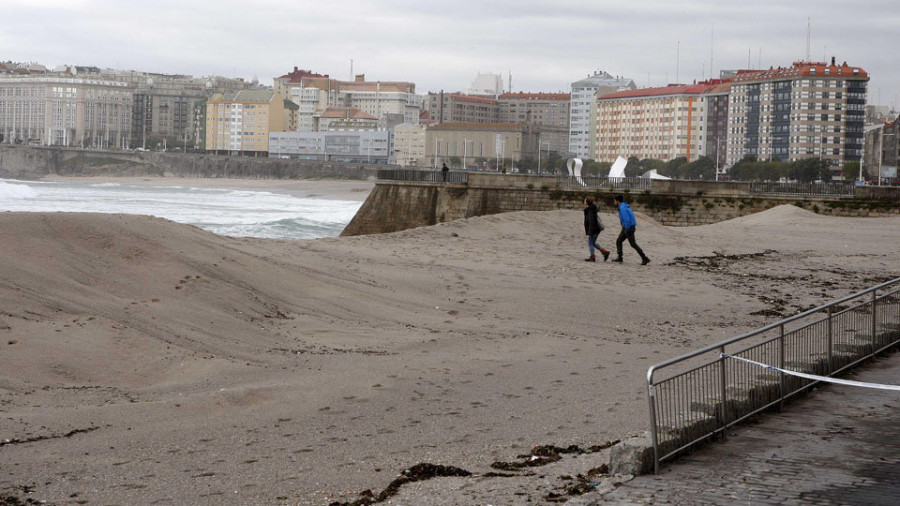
x: 832, y: 61
x: 360, y: 78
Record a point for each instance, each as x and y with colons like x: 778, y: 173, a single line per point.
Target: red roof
x: 672, y: 89
x: 299, y: 74
x: 800, y: 69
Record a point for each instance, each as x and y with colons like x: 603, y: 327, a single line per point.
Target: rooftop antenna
x: 677, y: 60
x: 351, y: 69
x: 748, y: 59
x: 712, y: 44
x: 807, y: 38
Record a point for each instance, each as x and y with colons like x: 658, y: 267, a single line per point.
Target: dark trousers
x: 628, y: 234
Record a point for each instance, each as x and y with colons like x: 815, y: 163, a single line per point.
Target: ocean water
x: 229, y: 212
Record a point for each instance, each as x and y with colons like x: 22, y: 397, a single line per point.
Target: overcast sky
x: 442, y: 45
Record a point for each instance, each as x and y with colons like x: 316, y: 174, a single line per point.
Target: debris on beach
x: 418, y: 472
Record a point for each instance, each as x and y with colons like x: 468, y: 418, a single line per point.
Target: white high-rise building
x: 487, y: 84
x: 582, y: 111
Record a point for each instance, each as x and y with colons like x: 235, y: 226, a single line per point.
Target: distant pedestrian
x: 629, y: 224
x: 444, y: 171
x: 592, y: 228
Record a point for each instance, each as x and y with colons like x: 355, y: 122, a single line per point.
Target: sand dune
x: 143, y: 361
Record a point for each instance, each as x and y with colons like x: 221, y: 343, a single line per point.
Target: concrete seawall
x: 29, y: 163
x: 399, y: 205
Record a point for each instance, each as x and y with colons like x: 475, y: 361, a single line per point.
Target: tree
x: 527, y: 164
x: 633, y: 168
x: 806, y: 170
x: 671, y: 167
x: 851, y: 171
x: 455, y: 161
x: 653, y: 163
x: 702, y: 168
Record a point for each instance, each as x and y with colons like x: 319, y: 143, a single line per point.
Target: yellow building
x: 240, y: 124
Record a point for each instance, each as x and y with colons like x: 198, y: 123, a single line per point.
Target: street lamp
x: 465, y: 152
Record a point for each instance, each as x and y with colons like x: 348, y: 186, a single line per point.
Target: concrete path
x: 839, y: 445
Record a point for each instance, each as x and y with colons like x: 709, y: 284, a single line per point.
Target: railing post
x: 653, y: 433
x: 874, y: 321
x: 722, y: 391
x: 830, y: 343
x: 781, y: 364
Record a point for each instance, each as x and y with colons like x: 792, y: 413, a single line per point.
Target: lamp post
x: 465, y: 152
x: 718, y: 154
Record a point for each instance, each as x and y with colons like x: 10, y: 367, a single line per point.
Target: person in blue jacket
x: 629, y: 224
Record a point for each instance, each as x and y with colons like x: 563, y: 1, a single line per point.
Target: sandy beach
x: 147, y: 362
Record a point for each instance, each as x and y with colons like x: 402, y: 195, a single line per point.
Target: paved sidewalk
x: 838, y: 445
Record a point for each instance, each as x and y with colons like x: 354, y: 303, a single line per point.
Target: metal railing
x: 846, y: 189
x: 702, y: 393
x: 435, y: 176
x: 596, y: 183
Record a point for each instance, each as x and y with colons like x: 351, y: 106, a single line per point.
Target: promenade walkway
x: 839, y: 445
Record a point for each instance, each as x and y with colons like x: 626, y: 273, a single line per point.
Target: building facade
x: 882, y: 151
x: 544, y: 113
x: 811, y: 109
x: 342, y: 146
x: 409, y: 145
x: 313, y: 93
x: 583, y: 110
x: 459, y: 108
x: 492, y: 143
x: 65, y: 111
x: 662, y: 123
x: 240, y: 124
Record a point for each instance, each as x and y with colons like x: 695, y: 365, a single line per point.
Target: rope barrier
x: 814, y: 377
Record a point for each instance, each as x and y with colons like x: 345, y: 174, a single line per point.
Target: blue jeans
x: 592, y: 243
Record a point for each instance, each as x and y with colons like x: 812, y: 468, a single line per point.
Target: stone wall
x: 395, y: 205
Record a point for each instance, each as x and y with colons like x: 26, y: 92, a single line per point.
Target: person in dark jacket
x: 592, y: 228
x: 629, y: 224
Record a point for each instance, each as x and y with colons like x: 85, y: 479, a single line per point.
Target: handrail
x: 771, y: 326
x: 697, y: 401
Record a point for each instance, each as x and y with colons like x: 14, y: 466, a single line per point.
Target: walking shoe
x: 591, y: 259
x: 645, y: 261
x: 605, y: 255
x: 618, y: 259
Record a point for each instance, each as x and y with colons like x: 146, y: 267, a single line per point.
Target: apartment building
x: 313, y: 93
x: 409, y: 145
x: 544, y: 113
x: 460, y: 108
x: 64, y: 110
x: 240, y: 124
x: 663, y: 123
x: 583, y: 110
x: 342, y: 146
x: 346, y: 119
x: 163, y: 115
x: 882, y: 150
x: 810, y: 109
x: 471, y: 141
